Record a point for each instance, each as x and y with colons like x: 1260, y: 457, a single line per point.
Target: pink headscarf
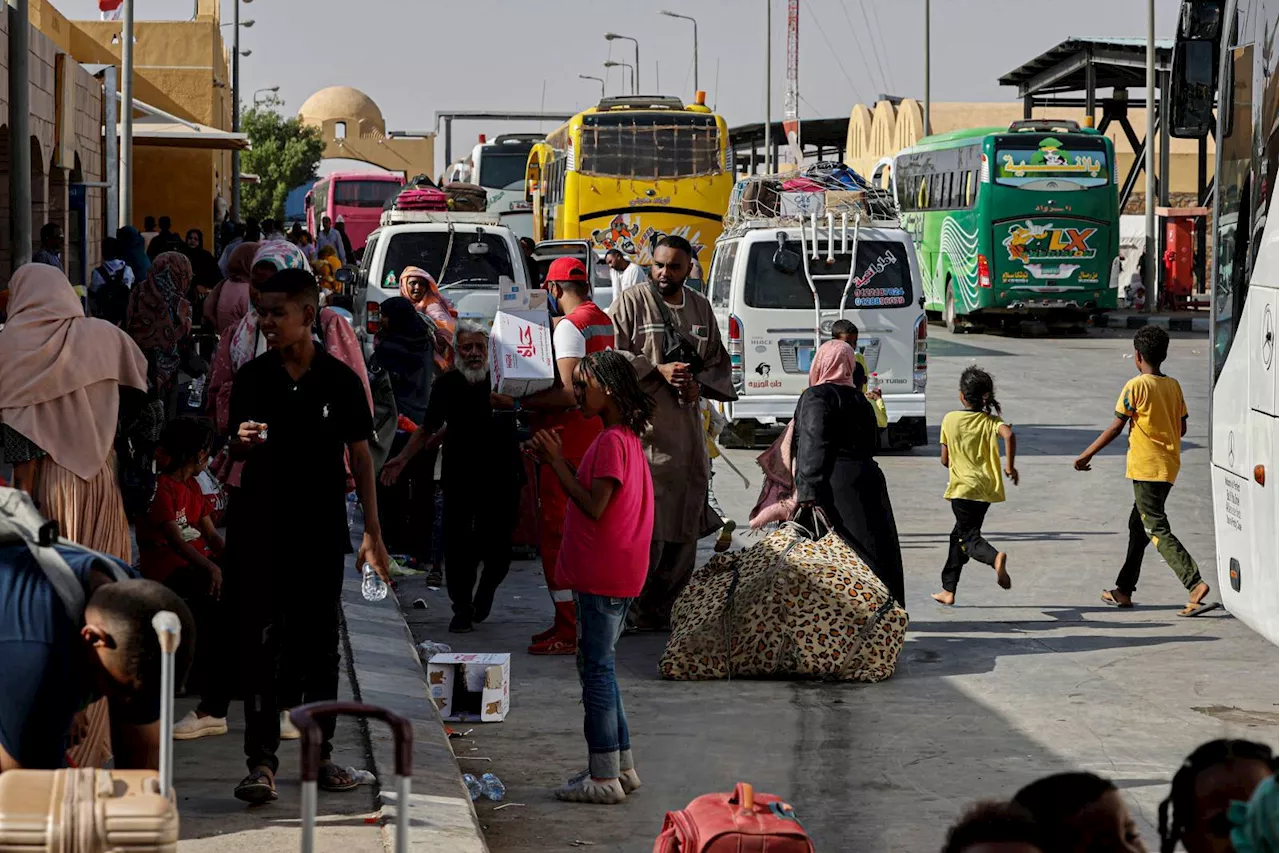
x: 833, y: 363
x: 62, y: 371
x: 436, y: 307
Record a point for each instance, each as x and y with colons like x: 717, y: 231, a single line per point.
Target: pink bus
x: 357, y: 197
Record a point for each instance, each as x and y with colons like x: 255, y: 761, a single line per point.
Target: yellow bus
x: 630, y: 171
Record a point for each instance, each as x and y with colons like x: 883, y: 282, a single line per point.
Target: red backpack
x: 739, y: 822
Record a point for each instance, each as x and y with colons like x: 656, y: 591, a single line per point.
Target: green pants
x: 1149, y: 523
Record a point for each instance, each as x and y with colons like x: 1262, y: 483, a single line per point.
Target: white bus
x: 1226, y: 56
x: 499, y: 167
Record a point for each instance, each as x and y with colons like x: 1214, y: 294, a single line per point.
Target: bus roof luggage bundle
x: 794, y: 605
x: 822, y: 191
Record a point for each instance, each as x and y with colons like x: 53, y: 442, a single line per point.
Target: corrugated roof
x: 1117, y: 62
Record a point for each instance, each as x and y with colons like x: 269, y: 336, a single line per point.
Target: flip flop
x: 1195, y: 609
x: 328, y: 772
x: 1110, y: 599
x: 256, y: 789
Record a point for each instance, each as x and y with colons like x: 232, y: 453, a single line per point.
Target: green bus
x: 1013, y: 224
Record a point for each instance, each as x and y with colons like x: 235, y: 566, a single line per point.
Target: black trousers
x: 966, y: 540
x: 289, y: 624
x: 477, y: 529
x: 213, y: 666
x: 405, y: 508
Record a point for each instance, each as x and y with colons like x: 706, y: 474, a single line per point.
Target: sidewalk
x: 1175, y: 321
x: 380, y: 667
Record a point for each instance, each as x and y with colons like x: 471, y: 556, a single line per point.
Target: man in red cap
x: 583, y: 329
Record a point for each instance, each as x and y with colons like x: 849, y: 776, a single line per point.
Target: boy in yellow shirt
x: 844, y: 330
x: 1153, y: 406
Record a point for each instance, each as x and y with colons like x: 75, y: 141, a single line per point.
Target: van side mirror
x: 1193, y: 86
x: 784, y: 260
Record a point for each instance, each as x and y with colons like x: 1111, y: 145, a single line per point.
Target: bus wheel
x: 949, y: 317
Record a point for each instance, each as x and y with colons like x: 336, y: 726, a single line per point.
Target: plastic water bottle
x: 473, y: 785
x: 874, y: 382
x: 491, y: 786
x: 352, y: 502
x: 372, y: 587
x: 195, y: 396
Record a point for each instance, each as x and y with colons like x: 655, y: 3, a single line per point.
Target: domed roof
x: 342, y: 103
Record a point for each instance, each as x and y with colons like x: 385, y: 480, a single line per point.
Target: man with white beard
x: 481, y: 476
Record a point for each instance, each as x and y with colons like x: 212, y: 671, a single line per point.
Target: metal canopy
x: 819, y: 136
x: 1116, y: 63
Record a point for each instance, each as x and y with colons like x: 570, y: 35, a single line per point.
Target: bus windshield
x: 502, y: 170
x: 883, y: 281
x: 1048, y: 163
x: 649, y: 146
x: 428, y: 249
x: 347, y: 193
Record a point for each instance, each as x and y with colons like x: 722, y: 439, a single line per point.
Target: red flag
x: 110, y: 9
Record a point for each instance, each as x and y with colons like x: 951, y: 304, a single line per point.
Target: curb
x: 386, y: 671
x: 1164, y: 321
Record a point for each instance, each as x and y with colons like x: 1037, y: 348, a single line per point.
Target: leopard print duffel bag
x: 796, y: 604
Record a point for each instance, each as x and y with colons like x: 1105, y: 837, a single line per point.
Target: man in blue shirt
x: 55, y: 664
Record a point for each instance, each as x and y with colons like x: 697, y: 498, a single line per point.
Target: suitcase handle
x: 307, y: 719
x: 745, y: 796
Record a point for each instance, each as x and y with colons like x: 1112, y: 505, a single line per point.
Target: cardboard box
x: 520, y: 358
x: 471, y: 687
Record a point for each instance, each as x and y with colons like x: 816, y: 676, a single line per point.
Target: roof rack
x: 438, y: 217
x: 641, y: 102
x: 836, y: 197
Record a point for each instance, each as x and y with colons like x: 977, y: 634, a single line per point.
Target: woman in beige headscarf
x: 59, y: 403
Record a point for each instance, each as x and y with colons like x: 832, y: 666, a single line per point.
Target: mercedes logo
x: 1231, y: 449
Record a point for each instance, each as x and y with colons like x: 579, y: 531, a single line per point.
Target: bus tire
x: 949, y: 318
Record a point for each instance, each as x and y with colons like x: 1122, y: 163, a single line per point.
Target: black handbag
x: 676, y: 346
x: 386, y: 415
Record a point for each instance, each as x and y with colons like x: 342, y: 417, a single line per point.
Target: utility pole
x: 1149, y: 255
x: 926, y: 67
x: 235, y: 109
x: 769, y: 165
x: 20, y: 130
x: 126, y: 117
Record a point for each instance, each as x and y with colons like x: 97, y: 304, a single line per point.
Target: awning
x: 154, y: 127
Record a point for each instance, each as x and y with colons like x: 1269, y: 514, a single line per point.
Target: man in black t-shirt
x: 296, y: 410
x: 481, y: 474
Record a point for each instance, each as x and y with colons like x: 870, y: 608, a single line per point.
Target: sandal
x: 1195, y: 608
x: 334, y: 778
x: 1110, y: 597
x: 257, y: 788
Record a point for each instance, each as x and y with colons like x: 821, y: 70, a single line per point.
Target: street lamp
x: 635, y: 88
x: 670, y: 14
x: 271, y: 89
x: 236, y: 53
x: 599, y: 80
x: 615, y: 64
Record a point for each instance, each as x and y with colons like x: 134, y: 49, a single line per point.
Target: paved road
x: 989, y: 695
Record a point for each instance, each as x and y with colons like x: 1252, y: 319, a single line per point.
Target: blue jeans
x: 600, y: 623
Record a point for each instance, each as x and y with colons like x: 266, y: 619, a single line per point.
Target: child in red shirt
x: 176, y: 538
x: 604, y: 558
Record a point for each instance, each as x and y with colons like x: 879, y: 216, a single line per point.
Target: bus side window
x: 922, y: 194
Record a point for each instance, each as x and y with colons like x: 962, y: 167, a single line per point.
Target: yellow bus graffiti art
x: 630, y: 171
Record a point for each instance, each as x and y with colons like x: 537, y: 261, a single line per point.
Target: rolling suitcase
x: 87, y: 810
x: 741, y: 822
x: 306, y: 718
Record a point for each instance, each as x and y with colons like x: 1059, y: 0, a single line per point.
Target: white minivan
x: 777, y: 288
x: 467, y: 253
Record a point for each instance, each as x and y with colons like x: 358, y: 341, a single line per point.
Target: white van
x: 777, y: 285
x: 465, y: 252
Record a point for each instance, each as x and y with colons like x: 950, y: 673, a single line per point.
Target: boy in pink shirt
x: 604, y: 558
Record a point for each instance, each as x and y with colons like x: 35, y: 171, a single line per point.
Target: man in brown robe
x: 670, y: 335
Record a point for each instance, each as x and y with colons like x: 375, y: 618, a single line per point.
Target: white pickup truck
x: 466, y: 253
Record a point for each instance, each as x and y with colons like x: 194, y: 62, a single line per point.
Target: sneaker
x: 584, y: 789
x: 555, y: 646
x: 543, y: 636
x: 288, y: 731
x: 193, y: 726
x: 460, y: 625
